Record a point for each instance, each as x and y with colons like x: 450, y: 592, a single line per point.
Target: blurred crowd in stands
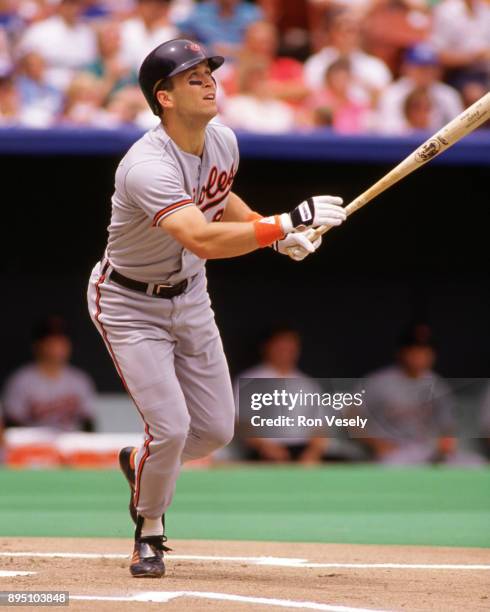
x: 355, y: 66
x: 414, y: 416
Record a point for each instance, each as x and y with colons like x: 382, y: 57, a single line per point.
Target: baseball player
x: 148, y: 297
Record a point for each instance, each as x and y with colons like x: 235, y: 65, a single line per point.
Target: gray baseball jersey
x: 168, y: 352
x: 155, y: 179
x: 31, y: 399
x: 411, y: 411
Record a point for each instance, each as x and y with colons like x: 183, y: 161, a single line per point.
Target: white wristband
x: 286, y: 223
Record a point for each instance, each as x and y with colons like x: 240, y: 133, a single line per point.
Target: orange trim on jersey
x: 168, y: 209
x: 268, y: 230
x: 149, y: 437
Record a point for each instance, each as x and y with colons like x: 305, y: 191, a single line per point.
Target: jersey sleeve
x: 157, y: 188
x: 15, y: 401
x: 87, y: 395
x: 232, y: 139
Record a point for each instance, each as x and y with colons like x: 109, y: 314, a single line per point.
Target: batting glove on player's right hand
x: 297, y: 245
x: 319, y: 210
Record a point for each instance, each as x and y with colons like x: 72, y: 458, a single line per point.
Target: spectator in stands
x: 408, y: 406
x: 221, y: 24
x: 281, y: 350
x: 342, y: 33
x: 109, y: 67
x: 146, y: 30
x: 83, y: 102
x: 461, y: 35
x: 336, y: 101
x: 421, y: 70
x: 292, y: 20
x: 417, y: 110
x: 41, y: 102
x: 9, y: 101
x: 254, y: 108
x: 50, y: 392
x: 66, y: 43
x: 284, y: 74
x: 180, y: 10
x: 125, y: 107
x: 6, y: 65
x: 392, y: 26
x: 12, y: 19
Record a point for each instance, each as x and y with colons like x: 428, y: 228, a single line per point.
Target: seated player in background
x: 485, y: 423
x: 281, y: 350
x: 408, y: 406
x: 49, y: 392
x: 2, y: 443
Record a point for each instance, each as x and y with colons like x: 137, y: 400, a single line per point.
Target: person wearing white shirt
x: 254, y: 108
x: 342, y: 31
x: 148, y: 29
x: 65, y: 42
x: 421, y: 69
x: 461, y: 35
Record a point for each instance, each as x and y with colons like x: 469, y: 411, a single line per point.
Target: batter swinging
x: 148, y: 296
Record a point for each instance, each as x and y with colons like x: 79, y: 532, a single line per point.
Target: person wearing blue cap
x: 420, y: 70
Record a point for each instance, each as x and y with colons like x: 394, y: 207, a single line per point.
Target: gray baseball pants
x: 169, y: 355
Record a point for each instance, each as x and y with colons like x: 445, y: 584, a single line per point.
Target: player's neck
x: 188, y: 138
x: 48, y: 369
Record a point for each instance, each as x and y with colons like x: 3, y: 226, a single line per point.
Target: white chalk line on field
x: 12, y: 573
x: 268, y: 561
x: 166, y: 596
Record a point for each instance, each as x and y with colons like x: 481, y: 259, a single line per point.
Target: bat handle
x: 319, y: 231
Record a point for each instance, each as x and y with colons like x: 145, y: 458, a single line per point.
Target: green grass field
x: 345, y: 504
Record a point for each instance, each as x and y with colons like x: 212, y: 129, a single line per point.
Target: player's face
x: 417, y: 359
x: 194, y: 92
x: 282, y: 351
x: 54, y: 349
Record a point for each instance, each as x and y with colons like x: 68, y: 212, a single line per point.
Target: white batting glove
x: 300, y: 243
x: 319, y: 210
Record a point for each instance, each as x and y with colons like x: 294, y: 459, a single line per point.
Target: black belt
x: 161, y: 290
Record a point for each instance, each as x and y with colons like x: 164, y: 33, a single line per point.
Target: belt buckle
x: 161, y: 286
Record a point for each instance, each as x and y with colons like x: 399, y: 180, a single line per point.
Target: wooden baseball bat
x: 460, y: 126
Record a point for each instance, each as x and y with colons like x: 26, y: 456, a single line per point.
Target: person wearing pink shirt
x: 336, y: 104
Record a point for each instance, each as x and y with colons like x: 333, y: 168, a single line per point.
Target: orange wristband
x: 268, y: 230
x: 254, y: 216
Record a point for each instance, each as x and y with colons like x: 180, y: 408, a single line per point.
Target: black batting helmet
x: 167, y: 60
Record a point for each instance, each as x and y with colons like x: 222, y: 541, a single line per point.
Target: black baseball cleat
x: 147, y: 559
x: 126, y: 462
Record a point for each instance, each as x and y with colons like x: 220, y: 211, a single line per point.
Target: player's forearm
x: 221, y: 240
x: 237, y: 210
x: 231, y: 239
